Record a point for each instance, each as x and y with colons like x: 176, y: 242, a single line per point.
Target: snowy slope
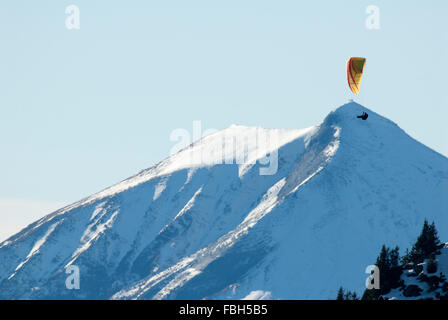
x: 202, y: 224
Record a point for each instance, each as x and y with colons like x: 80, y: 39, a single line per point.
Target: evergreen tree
x: 340, y: 294
x: 406, y: 258
x: 371, y: 294
x: 383, y: 260
x: 426, y: 246
x: 394, y: 257
x: 390, y: 272
x: 396, y: 269
x: 431, y: 265
x: 350, y: 296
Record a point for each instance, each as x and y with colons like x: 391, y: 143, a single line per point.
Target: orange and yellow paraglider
x: 354, y: 73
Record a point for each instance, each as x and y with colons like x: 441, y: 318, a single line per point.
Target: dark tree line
x: 391, y: 267
x: 426, y: 247
x: 346, y: 295
x: 388, y: 262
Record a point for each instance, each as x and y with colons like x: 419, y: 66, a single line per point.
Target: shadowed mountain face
x: 221, y: 228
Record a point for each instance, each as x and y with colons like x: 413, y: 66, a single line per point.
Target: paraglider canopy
x: 355, y: 67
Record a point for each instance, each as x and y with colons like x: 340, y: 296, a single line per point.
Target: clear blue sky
x: 83, y: 109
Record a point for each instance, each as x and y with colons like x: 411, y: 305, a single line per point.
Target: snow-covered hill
x: 222, y: 228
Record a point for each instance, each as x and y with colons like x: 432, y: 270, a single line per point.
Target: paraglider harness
x: 363, y: 116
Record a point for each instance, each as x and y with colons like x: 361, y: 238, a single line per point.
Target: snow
x: 213, y: 222
x: 242, y: 145
x: 442, y: 261
x: 39, y: 243
x: 93, y: 232
x: 185, y: 209
x: 258, y: 295
x: 159, y: 189
x: 201, y: 259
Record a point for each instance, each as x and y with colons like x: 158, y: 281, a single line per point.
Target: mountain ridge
x: 222, y: 230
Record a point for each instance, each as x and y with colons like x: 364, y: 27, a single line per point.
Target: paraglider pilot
x: 363, y: 116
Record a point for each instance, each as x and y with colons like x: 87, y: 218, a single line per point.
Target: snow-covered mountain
x: 298, y: 226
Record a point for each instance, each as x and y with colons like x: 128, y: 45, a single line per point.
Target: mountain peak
x: 339, y: 191
x: 348, y: 113
x: 352, y: 107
